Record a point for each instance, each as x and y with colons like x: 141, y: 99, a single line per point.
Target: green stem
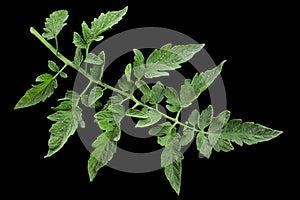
x: 113, y: 89
x: 86, y: 88
x: 135, y: 105
x: 86, y: 55
x: 62, y: 69
x: 106, y: 86
x: 56, y: 44
x: 58, y: 55
x: 178, y: 114
x: 83, y: 92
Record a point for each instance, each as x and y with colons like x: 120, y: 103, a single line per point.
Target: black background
x: 256, y: 40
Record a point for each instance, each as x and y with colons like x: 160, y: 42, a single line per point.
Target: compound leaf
x: 152, y: 117
x: 169, y: 58
x: 145, y: 89
x: 63, y: 75
x: 173, y: 102
x: 247, y: 132
x: 55, y: 23
x: 223, y: 145
x: 171, y: 160
x: 128, y: 70
x: 78, y: 58
x: 52, y: 66
x: 203, y: 145
x: 193, y: 118
x: 161, y: 129
x: 137, y: 113
x: 202, y: 81
x: 38, y: 93
x: 101, y: 24
x: 104, y: 150
x: 187, y: 94
x: 66, y: 123
x: 173, y: 173
x: 187, y: 137
x: 125, y: 85
x: 157, y: 93
x: 98, y: 62
x: 95, y: 94
x: 138, y: 64
x: 205, y: 117
x: 79, y: 41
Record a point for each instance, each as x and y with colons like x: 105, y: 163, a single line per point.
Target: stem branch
x: 106, y: 86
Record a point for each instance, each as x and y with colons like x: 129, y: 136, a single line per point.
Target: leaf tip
x: 91, y: 178
x: 17, y: 106
x: 177, y: 191
x: 125, y: 9
x: 20, y: 105
x: 47, y: 156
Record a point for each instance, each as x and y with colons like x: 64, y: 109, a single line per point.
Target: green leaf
x: 203, y: 80
x: 79, y: 41
x: 218, y: 122
x: 78, y: 58
x: 157, y: 93
x: 203, y: 145
x: 216, y: 126
x: 65, y: 106
x: 205, y: 117
x: 187, y: 137
x: 94, y: 166
x: 145, y: 89
x: 87, y: 34
x: 164, y: 140
x: 109, y: 120
x: 104, y: 118
x: 101, y: 24
x: 155, y: 74
x: 223, y: 145
x: 187, y: 94
x: 52, y: 66
x: 95, y: 59
x: 43, y: 77
x: 84, y: 100
x: 170, y: 135
x: 63, y: 75
x: 104, y: 150
x: 173, y: 173
x: 171, y: 160
x: 172, y: 100
x: 169, y: 58
x: 95, y: 94
x: 107, y: 20
x: 138, y: 64
x: 128, y: 70
x: 125, y: 85
x: 193, y: 118
x: 116, y: 99
x: 55, y: 23
x: 247, y: 132
x: 70, y: 96
x: 118, y: 112
x: 161, y: 129
x: 98, y: 67
x: 66, y: 123
x: 152, y: 117
x: 38, y: 93
x: 171, y: 151
x: 137, y: 113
